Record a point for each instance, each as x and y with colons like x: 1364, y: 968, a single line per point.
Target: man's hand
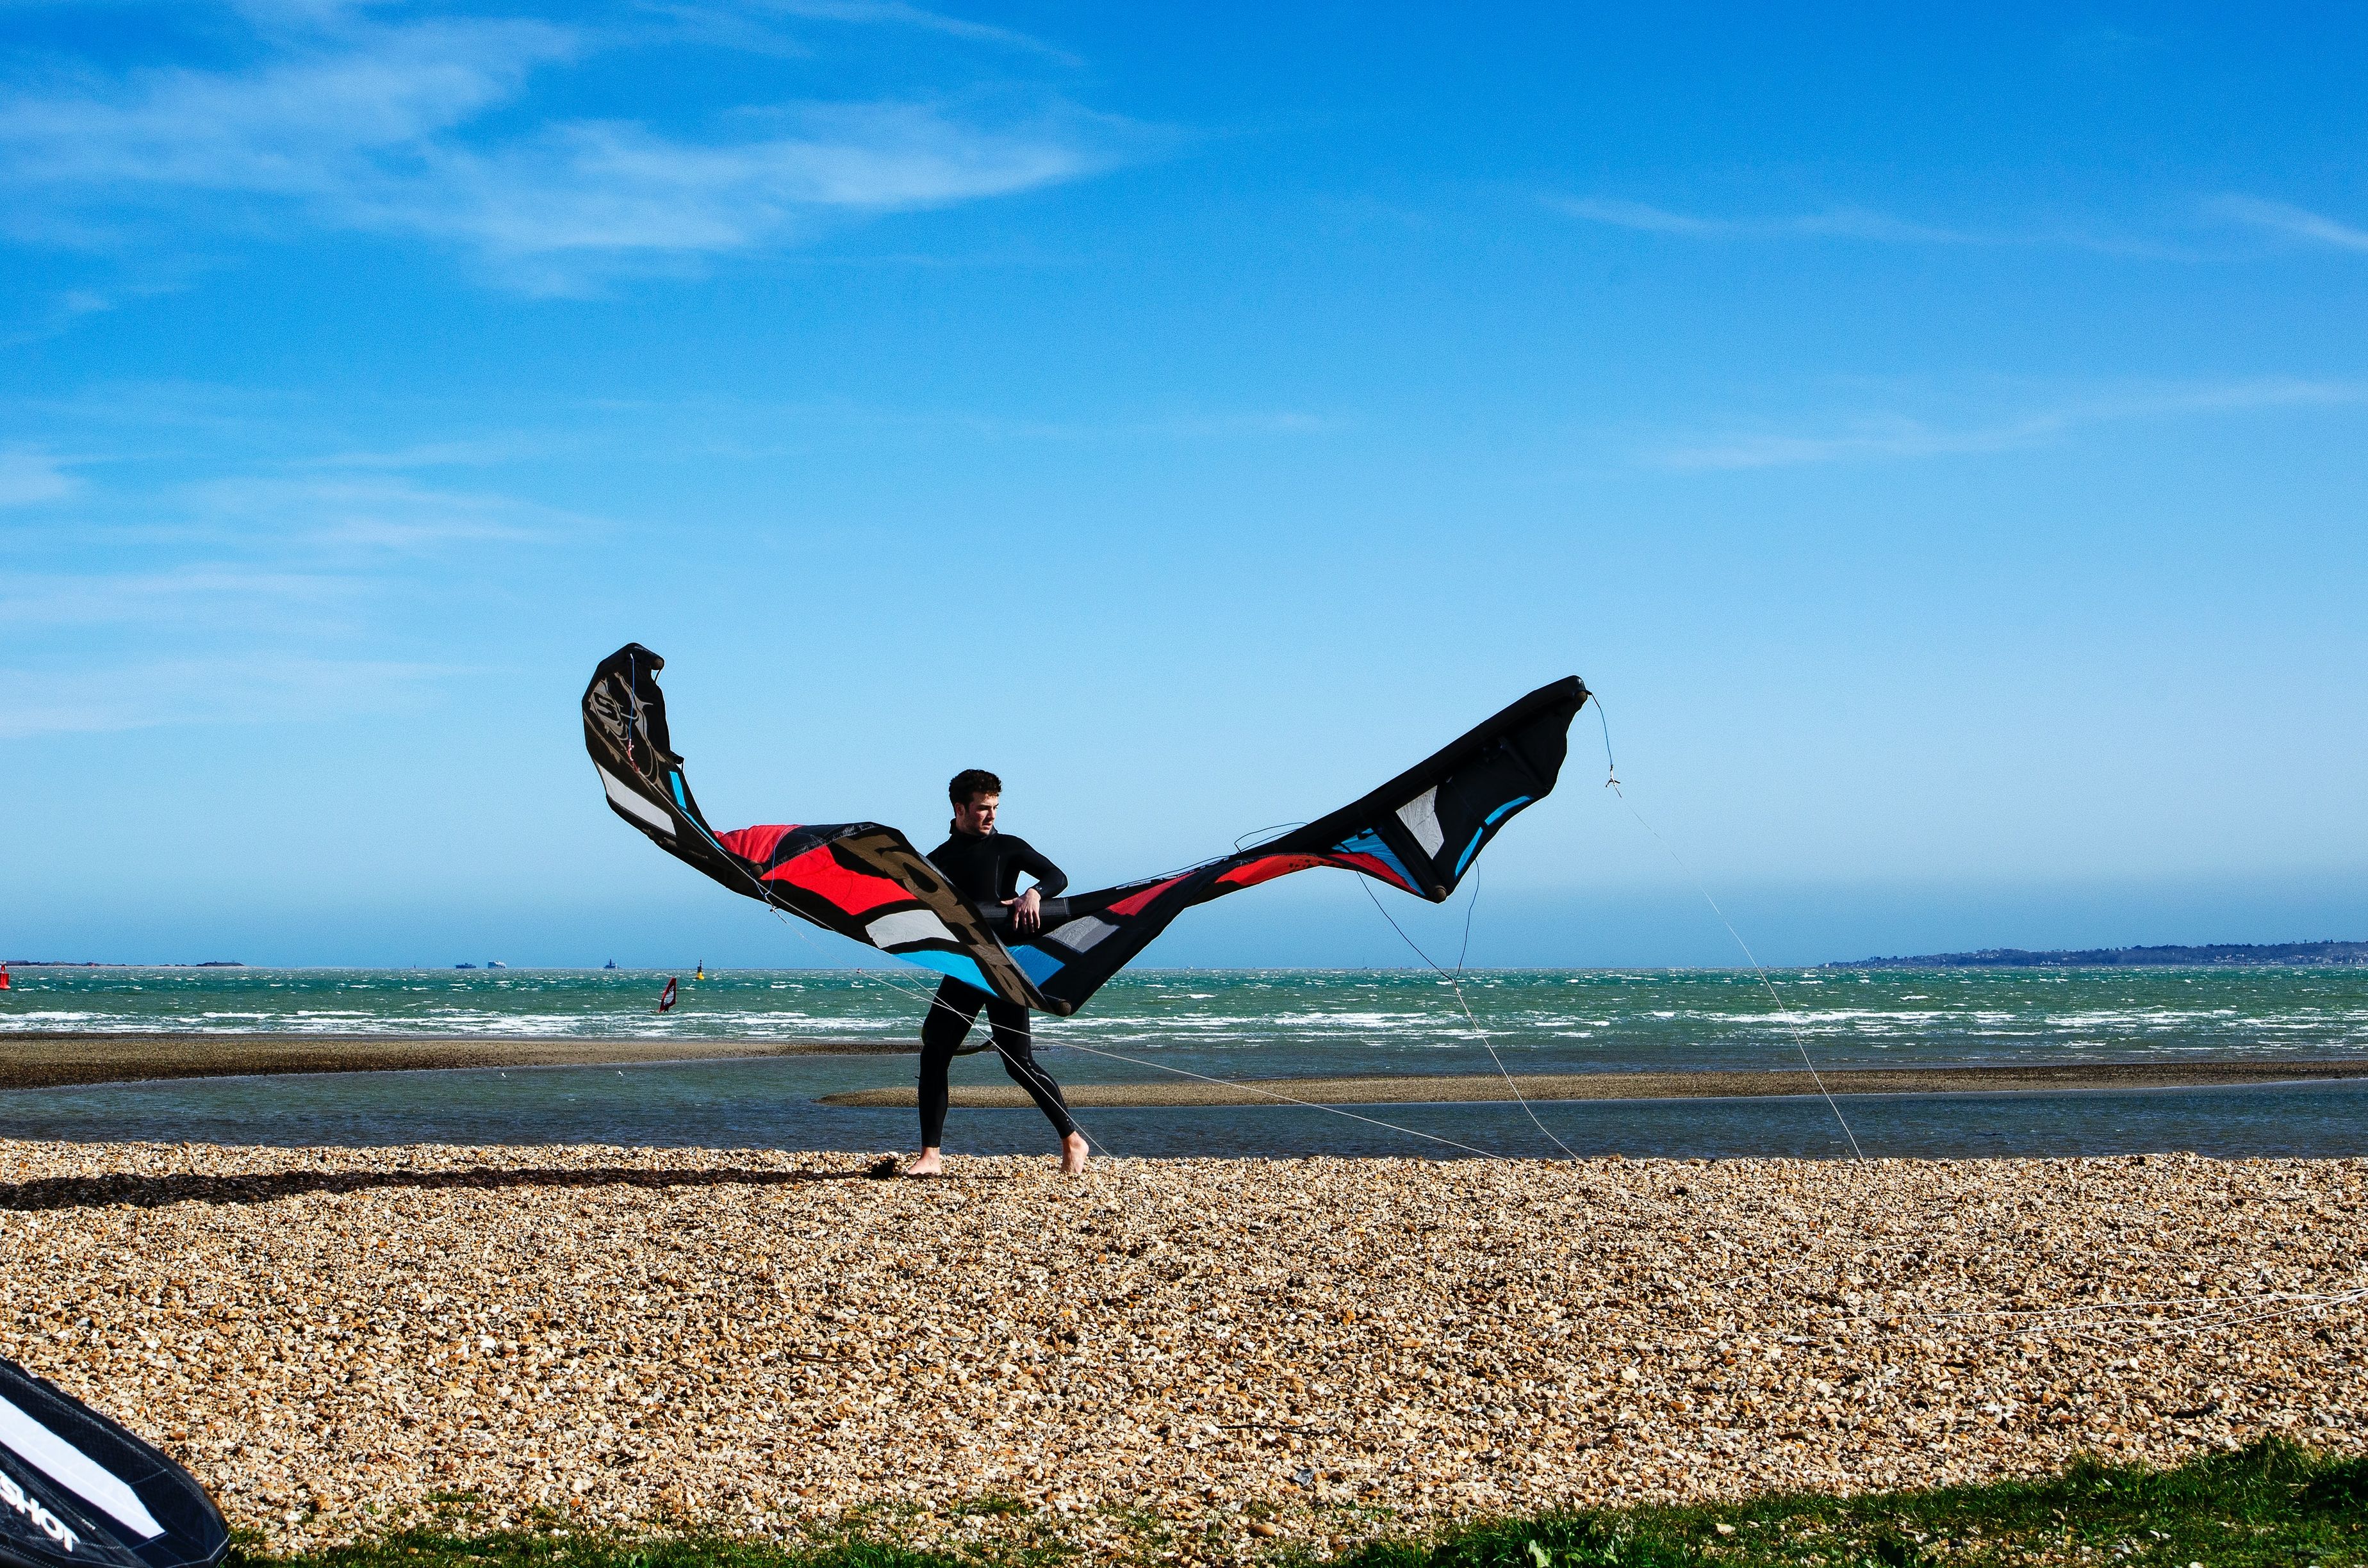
x: 1027, y: 913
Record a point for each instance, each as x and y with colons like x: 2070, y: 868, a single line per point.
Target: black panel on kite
x: 77, y: 1488
x: 1419, y: 833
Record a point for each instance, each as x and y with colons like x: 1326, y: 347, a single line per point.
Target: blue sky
x: 1941, y: 441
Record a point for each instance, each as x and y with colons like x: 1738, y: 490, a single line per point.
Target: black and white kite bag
x: 77, y: 1488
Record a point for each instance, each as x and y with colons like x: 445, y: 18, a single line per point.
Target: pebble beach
x: 1195, y: 1360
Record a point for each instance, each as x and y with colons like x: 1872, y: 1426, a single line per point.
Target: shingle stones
x: 1213, y: 1359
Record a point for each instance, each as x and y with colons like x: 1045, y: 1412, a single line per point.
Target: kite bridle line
x: 1288, y: 1099
x: 1469, y: 904
x: 1456, y: 981
x: 1612, y: 782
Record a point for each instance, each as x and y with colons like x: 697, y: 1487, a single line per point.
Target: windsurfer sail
x: 1419, y: 834
x: 666, y: 997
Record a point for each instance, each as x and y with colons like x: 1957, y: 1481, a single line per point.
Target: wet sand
x: 1165, y: 1361
x: 48, y: 1061
x: 1472, y: 1088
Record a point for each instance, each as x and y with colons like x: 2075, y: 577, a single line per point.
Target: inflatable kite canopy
x: 1420, y: 833
x: 77, y: 1488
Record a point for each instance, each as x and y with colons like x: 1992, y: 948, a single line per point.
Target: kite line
x: 1612, y: 782
x: 1455, y: 980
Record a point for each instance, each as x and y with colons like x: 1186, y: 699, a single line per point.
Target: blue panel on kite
x: 1369, y: 843
x: 963, y: 969
x: 1499, y: 815
x: 1040, y: 965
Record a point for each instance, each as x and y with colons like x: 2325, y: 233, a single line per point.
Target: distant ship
x: 610, y: 964
x: 464, y: 966
x: 496, y: 963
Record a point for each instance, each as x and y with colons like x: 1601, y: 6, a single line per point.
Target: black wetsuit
x: 985, y: 869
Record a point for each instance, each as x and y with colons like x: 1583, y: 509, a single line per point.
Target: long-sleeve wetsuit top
x: 985, y: 868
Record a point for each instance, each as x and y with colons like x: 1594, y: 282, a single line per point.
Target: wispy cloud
x: 344, y: 516
x: 266, y: 597
x: 2290, y: 222
x: 394, y: 128
x: 1893, y: 436
x: 202, y: 593
x: 895, y: 13
x: 256, y: 559
x: 27, y: 478
x: 1212, y: 426
x: 617, y: 193
x: 303, y: 124
x: 477, y: 452
x: 235, y: 689
x: 1842, y: 222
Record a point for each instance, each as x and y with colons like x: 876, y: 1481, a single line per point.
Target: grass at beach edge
x: 2273, y: 1502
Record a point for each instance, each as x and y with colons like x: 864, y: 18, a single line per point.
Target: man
x: 984, y: 866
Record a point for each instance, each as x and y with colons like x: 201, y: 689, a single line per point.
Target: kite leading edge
x: 1419, y: 833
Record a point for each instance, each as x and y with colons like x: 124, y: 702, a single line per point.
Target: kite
x: 1420, y: 833
x: 75, y: 1487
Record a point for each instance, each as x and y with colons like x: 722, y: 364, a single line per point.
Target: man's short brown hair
x: 973, y: 781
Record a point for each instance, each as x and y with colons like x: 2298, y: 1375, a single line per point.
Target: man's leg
x: 1014, y: 1043
x: 951, y: 1012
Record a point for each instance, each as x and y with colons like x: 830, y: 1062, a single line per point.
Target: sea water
x: 1152, y: 1025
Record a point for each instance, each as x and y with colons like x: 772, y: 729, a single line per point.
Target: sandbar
x: 30, y: 1060
x: 1473, y: 1088
x: 34, y: 1060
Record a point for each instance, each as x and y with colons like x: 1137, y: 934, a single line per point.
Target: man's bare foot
x: 927, y: 1162
x: 1074, y: 1149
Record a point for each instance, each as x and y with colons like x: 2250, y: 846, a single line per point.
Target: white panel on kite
x: 1080, y: 934
x: 631, y: 804
x: 1421, y: 818
x: 907, y: 926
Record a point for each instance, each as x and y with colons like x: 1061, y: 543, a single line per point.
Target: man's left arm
x: 1027, y: 910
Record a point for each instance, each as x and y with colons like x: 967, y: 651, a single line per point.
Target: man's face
x: 975, y: 816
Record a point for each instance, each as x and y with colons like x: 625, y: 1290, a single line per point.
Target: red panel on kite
x: 1371, y: 865
x: 818, y: 871
x: 756, y: 843
x: 1267, y: 869
x: 1133, y: 905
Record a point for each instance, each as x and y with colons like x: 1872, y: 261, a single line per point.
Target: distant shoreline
x: 63, y: 1059
x: 2217, y: 955
x: 109, y: 963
